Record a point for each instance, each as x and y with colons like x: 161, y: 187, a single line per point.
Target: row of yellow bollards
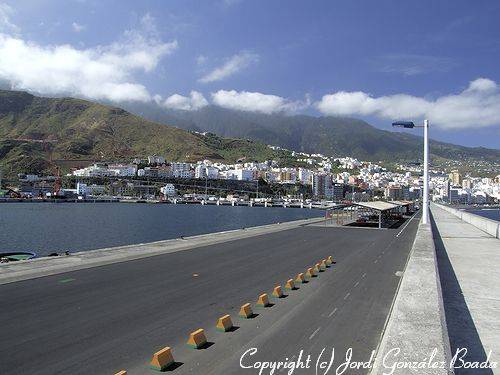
x: 164, y: 358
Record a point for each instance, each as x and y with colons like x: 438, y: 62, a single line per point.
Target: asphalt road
x: 103, y: 319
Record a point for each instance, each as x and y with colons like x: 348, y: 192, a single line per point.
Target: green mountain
x: 36, y: 133
x: 334, y: 136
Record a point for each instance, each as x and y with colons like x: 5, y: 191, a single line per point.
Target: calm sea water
x: 49, y: 227
x: 493, y: 214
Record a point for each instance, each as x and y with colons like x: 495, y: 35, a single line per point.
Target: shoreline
x: 181, y: 202
x: 68, y: 226
x: 46, y: 266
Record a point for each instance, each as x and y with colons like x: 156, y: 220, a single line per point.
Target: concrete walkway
x: 468, y: 263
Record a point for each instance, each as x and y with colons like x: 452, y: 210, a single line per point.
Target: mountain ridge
x: 34, y: 131
x: 333, y: 136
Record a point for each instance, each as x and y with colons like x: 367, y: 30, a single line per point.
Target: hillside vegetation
x: 35, y: 130
x: 333, y: 136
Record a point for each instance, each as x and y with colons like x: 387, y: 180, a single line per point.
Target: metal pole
x: 425, y: 203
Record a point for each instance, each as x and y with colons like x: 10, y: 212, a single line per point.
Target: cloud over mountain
x: 255, y: 102
x: 476, y: 106
x: 193, y: 102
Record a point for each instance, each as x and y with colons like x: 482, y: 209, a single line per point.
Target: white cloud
x: 476, y: 106
x: 255, y: 102
x: 482, y: 84
x: 103, y: 72
x: 5, y: 23
x: 232, y: 66
x: 77, y: 27
x: 194, y: 101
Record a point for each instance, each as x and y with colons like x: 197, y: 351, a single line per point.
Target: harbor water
x: 57, y: 227
x: 489, y: 213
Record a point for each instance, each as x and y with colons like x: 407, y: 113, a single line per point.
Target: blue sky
x: 376, y: 60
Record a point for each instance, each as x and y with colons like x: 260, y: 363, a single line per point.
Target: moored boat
x: 16, y: 255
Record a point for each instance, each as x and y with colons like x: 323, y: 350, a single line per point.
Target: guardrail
x: 489, y: 226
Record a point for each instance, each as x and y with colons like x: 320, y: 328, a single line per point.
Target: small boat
x: 17, y: 255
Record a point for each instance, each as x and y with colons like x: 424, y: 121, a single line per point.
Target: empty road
x: 103, y: 319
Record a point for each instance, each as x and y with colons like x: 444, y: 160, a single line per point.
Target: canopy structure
x: 384, y: 209
x: 402, y: 203
x: 366, y: 213
x: 377, y: 205
x: 407, y: 205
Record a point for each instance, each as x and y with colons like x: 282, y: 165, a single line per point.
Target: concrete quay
x: 448, y: 300
x: 416, y: 325
x: 468, y: 259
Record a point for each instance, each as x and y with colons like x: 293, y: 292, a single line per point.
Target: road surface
x: 103, y: 319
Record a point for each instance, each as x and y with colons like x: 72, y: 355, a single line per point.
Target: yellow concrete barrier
x: 122, y: 372
x: 162, y: 359
x: 300, y: 278
x: 322, y: 265
x: 246, y: 311
x: 316, y: 268
x: 224, y: 323
x: 197, y: 339
x: 263, y: 300
x: 329, y: 260
x: 277, y: 292
x: 310, y: 273
x: 290, y: 285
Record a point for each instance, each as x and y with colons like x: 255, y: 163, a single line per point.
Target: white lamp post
x: 425, y: 199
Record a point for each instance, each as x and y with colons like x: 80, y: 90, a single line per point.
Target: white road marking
x: 363, y: 275
x: 357, y: 283
x: 314, y: 333
x: 333, y: 312
x: 404, y: 227
x: 375, y: 261
x: 347, y: 295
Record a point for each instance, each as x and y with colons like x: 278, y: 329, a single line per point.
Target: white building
x: 322, y: 185
x: 89, y: 190
x: 244, y: 174
x: 168, y: 190
x: 181, y: 170
x: 305, y: 176
x: 123, y: 170
x: 95, y: 170
x: 239, y: 174
x: 206, y: 171
x: 154, y: 159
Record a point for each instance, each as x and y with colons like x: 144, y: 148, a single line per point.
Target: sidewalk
x: 468, y: 263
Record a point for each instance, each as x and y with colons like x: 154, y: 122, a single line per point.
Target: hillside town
x: 322, y: 178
